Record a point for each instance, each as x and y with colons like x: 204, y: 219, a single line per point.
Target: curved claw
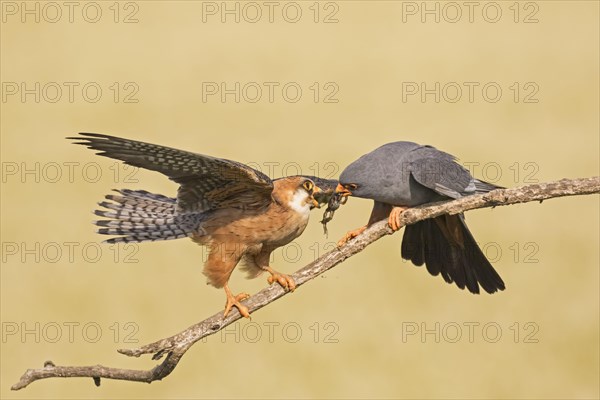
x: 284, y: 280
x: 351, y: 235
x: 234, y: 301
x: 394, y: 218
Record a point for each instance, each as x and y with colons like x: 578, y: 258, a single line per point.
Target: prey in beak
x: 340, y: 196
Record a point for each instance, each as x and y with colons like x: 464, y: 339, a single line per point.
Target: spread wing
x: 207, y: 183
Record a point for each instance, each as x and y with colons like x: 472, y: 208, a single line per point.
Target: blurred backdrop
x: 510, y: 88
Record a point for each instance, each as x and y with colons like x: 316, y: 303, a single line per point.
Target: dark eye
x: 308, y: 185
x: 351, y: 186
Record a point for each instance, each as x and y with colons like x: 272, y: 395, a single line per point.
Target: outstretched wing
x: 207, y: 183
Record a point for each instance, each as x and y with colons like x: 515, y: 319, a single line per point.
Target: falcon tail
x: 447, y: 247
x: 140, y: 216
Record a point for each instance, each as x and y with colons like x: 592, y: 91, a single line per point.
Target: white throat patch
x: 299, y: 203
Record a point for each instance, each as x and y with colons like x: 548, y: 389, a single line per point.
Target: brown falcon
x: 239, y: 213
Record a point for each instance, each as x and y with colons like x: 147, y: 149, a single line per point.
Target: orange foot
x: 284, y: 280
x: 394, y: 219
x: 351, y: 235
x: 235, y: 301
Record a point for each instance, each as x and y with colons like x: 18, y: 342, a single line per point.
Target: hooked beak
x: 342, y: 190
x: 315, y: 203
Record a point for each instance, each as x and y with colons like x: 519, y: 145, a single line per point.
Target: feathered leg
x: 262, y: 260
x: 222, y: 259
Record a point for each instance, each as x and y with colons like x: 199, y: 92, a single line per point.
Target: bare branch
x: 174, y: 347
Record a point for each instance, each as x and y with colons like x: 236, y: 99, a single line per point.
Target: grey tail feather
x: 484, y: 187
x: 140, y: 216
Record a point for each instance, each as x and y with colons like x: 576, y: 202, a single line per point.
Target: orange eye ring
x: 308, y: 185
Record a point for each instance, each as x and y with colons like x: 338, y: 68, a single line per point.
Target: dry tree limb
x: 174, y: 347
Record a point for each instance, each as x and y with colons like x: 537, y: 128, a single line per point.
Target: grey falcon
x: 400, y: 175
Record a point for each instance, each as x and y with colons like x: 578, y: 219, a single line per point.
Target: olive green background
x: 345, y: 334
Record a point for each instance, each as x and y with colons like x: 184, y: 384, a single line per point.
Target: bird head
x: 298, y: 193
x: 351, y: 188
x: 354, y: 181
x: 311, y: 189
x: 358, y: 178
